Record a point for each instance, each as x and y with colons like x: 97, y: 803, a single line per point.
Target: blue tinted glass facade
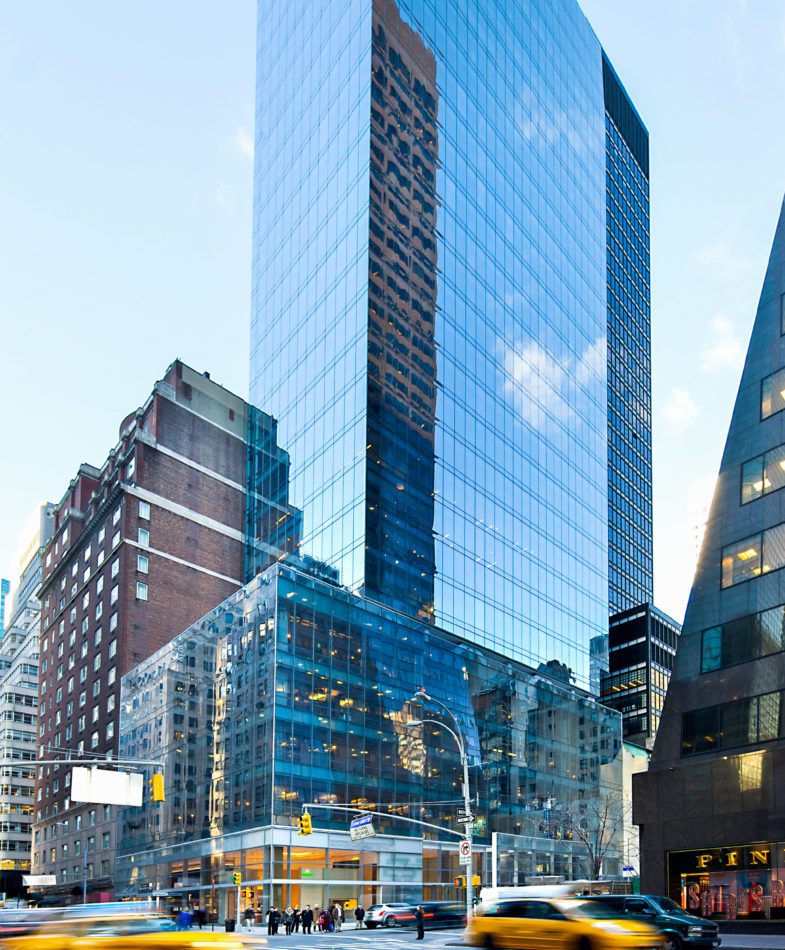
x: 295, y: 691
x: 630, y: 571
x: 429, y: 316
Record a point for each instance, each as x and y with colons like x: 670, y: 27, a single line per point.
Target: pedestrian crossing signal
x: 476, y: 880
x: 304, y: 824
x: 460, y: 881
x: 157, y: 787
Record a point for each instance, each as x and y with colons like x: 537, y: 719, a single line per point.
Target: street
x: 361, y: 939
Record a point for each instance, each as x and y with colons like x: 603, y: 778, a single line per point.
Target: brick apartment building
x: 142, y: 547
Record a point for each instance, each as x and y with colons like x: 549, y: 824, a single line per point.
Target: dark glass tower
x: 429, y: 320
x: 712, y: 806
x: 630, y: 569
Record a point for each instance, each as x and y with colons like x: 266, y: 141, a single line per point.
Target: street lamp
x: 467, y: 800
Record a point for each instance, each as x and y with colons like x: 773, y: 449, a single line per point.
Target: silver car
x: 389, y: 915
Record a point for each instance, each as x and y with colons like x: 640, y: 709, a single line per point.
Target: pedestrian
x: 359, y: 914
x: 419, y: 917
x: 288, y: 920
x: 297, y: 917
x: 201, y: 917
x: 249, y: 916
x: 327, y: 921
x: 337, y: 915
x: 307, y: 919
x: 270, y: 915
x: 276, y: 919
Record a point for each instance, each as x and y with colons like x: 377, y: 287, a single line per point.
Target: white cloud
x: 544, y: 387
x: 726, y: 350
x: 681, y: 410
x: 243, y: 142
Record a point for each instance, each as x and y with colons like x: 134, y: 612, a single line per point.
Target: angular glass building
x: 297, y: 692
x: 712, y: 807
x: 450, y: 312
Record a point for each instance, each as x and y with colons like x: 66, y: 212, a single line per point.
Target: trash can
x: 229, y: 923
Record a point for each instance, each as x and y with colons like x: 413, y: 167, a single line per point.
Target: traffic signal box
x: 304, y: 825
x: 157, y: 787
x: 237, y: 878
x: 460, y: 881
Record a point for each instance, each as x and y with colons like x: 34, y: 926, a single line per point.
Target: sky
x: 125, y: 225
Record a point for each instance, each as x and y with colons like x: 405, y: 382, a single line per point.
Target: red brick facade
x: 142, y: 548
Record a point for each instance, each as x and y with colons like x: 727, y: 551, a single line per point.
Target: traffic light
x: 304, y: 825
x: 460, y: 881
x: 157, y: 787
x: 237, y: 878
x: 476, y: 880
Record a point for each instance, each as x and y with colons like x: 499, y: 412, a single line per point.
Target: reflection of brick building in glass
x: 402, y: 312
x: 297, y: 691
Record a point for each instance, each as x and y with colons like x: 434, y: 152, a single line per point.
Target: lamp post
x: 420, y: 697
x: 84, y: 873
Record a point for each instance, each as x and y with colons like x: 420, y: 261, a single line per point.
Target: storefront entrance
x: 739, y: 882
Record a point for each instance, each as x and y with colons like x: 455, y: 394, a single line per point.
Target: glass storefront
x: 746, y: 881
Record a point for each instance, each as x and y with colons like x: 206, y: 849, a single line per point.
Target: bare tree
x: 598, y: 823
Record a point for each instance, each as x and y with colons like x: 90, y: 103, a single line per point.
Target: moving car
x: 444, y: 914
x: 680, y: 929
x: 389, y: 915
x: 119, y: 932
x: 538, y: 923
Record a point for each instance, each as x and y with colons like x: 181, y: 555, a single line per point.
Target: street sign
x: 465, y: 819
x: 362, y: 827
x: 465, y: 853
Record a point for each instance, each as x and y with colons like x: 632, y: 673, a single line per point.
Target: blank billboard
x: 105, y: 787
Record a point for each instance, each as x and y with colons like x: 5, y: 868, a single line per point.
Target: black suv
x: 680, y: 929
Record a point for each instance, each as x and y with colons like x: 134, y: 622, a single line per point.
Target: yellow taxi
x: 120, y: 932
x: 537, y: 923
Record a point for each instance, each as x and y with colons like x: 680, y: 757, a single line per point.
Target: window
x: 115, y: 539
x: 97, y: 662
x: 99, y: 610
x: 86, y: 575
x: 747, y: 638
x: 96, y: 713
x: 97, y: 637
x: 733, y: 725
x: 82, y: 699
x: 144, y: 510
x: 116, y: 516
x: 115, y: 594
x: 144, y: 537
x: 110, y: 704
x: 112, y: 649
x: 130, y: 469
x: 141, y: 591
x: 112, y: 676
x: 110, y: 731
x: 74, y: 569
x: 94, y: 740
x: 96, y: 687
x: 772, y: 394
x: 142, y: 563
x: 99, y: 586
x: 742, y: 561
x: 763, y: 474
x: 113, y: 623
x: 91, y: 817
x: 102, y: 534
x: 107, y: 812
x: 81, y: 723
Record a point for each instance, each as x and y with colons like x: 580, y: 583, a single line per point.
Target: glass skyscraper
x: 630, y: 571
x: 433, y: 227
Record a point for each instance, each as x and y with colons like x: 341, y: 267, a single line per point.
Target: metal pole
x: 239, y: 923
x: 84, y: 875
x: 467, y: 807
